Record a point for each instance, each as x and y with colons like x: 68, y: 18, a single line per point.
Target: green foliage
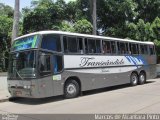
x: 6, y: 21
x: 45, y: 16
x: 132, y: 19
x: 65, y: 26
x: 6, y: 10
x: 83, y: 26
x: 115, y: 13
x: 148, y: 10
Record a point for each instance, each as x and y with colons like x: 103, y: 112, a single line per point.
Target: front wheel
x: 71, y: 89
x: 142, y: 78
x: 134, y: 79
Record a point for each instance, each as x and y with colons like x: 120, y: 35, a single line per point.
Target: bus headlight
x: 27, y: 87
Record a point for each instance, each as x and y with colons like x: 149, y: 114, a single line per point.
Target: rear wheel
x: 71, y: 89
x: 142, y: 78
x: 134, y: 79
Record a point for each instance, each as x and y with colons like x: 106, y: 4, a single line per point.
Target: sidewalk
x: 3, y: 74
x: 4, y: 94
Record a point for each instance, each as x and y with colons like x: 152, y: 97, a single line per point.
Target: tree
x: 16, y: 20
x: 148, y: 10
x: 113, y: 15
x: 156, y: 33
x: 83, y: 26
x: 47, y: 15
x: 66, y: 26
x: 6, y: 21
x: 94, y: 16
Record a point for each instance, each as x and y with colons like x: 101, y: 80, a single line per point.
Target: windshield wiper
x: 18, y: 74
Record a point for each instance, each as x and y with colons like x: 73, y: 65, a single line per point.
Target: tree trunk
x: 94, y: 16
x: 15, y: 29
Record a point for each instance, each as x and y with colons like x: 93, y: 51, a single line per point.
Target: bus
x: 52, y: 63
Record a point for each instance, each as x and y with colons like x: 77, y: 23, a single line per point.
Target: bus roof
x: 84, y: 35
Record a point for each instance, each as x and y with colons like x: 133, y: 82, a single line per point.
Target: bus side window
x: 98, y: 46
x: 86, y: 45
x: 80, y: 45
x: 151, y: 49
x: 113, y: 47
x: 142, y: 49
x: 106, y: 47
x: 127, y: 48
x: 146, y: 49
x: 51, y: 42
x: 57, y: 64
x: 134, y: 48
x: 91, y: 46
x: 121, y: 47
x: 65, y: 44
x: 70, y: 44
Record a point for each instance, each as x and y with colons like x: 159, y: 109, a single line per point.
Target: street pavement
x: 118, y: 99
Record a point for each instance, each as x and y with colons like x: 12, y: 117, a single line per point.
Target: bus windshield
x: 22, y: 65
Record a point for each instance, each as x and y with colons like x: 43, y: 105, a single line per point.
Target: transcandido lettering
x: 90, y: 62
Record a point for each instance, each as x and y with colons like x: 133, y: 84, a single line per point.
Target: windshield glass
x: 22, y: 65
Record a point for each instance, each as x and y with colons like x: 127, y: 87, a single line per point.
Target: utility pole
x: 15, y: 29
x: 94, y: 16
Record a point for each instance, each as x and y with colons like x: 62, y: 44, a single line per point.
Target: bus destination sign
x: 25, y: 43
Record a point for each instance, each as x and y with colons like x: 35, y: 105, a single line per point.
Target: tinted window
x: 122, y: 47
x: 51, y: 42
x: 152, y: 50
x: 145, y: 49
x: 134, y: 48
x: 92, y: 46
x: 113, y: 47
x: 80, y: 45
x: 73, y: 45
x: 57, y: 64
x: 142, y: 49
x: 106, y: 47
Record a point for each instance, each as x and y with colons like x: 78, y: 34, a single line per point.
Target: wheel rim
x: 71, y: 89
x: 142, y: 78
x: 134, y: 79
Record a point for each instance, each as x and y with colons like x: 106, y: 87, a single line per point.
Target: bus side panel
x: 85, y: 79
x: 111, y: 79
x: 150, y: 68
x: 45, y: 86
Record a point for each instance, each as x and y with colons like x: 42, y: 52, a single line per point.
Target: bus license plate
x: 18, y: 93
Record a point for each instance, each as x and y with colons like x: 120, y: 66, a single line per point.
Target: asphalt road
x: 118, y: 99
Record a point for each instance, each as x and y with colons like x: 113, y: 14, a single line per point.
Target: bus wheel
x: 134, y: 79
x: 71, y: 89
x: 142, y: 78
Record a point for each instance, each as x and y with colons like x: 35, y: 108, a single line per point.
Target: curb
x: 4, y: 100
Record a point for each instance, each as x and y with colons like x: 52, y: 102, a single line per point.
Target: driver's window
x: 45, y: 64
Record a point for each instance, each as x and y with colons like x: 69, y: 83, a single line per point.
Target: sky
x: 23, y: 3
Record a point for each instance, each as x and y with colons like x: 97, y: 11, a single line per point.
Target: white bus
x: 51, y: 63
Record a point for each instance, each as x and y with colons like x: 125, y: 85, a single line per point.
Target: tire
x: 134, y: 79
x: 71, y: 89
x: 14, y: 98
x: 142, y: 78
